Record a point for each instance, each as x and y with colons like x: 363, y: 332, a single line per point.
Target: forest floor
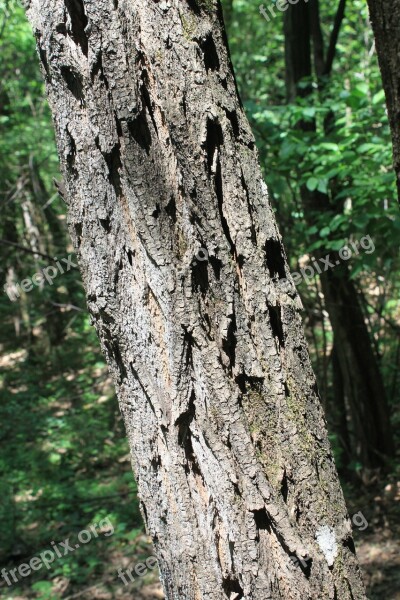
x: 377, y: 546
x: 67, y: 466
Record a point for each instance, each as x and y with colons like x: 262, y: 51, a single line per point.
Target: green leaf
x: 361, y: 89
x: 323, y: 186
x: 312, y: 184
x: 325, y: 231
x: 367, y: 147
x: 309, y: 111
x: 329, y: 146
x: 378, y: 97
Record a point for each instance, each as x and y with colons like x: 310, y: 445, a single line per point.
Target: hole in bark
x: 241, y: 381
x: 315, y: 390
x: 139, y: 130
x: 220, y: 198
x: 184, y: 106
x: 284, y: 487
x: 144, y: 512
x: 106, y: 224
x: 305, y: 565
x: 248, y: 384
x: 262, y: 520
x: 200, y: 280
x: 130, y: 255
x: 250, y: 209
x: 216, y: 266
x: 229, y: 344
x: 349, y: 543
x: 193, y: 6
x: 214, y: 140
x: 78, y: 232
x: 118, y: 127
x: 79, y: 21
x: 61, y: 28
x: 276, y: 323
x: 274, y: 258
x: 211, y: 60
x: 43, y: 56
x: 231, y: 552
x: 113, y: 160
x: 183, y: 423
x: 114, y: 352
x: 146, y: 99
x: 207, y: 321
x: 156, y: 213
x: 233, y: 119
x: 170, y: 209
x: 72, y: 155
x: 188, y: 340
x: 74, y: 83
x: 349, y: 588
x: 231, y: 586
x: 297, y: 513
x: 98, y: 71
x: 120, y: 266
x: 156, y: 463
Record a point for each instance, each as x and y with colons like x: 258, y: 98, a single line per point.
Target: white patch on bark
x: 326, y: 540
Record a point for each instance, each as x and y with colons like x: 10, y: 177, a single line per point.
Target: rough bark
x: 385, y: 19
x: 363, y: 386
x: 229, y: 445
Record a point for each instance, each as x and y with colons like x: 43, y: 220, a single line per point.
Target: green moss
x: 189, y: 26
x: 182, y: 243
x: 158, y: 56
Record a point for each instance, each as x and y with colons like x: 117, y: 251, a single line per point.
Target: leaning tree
x: 189, y: 290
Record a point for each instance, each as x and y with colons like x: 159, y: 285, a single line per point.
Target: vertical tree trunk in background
x: 385, y: 19
x: 229, y: 446
x: 362, y: 382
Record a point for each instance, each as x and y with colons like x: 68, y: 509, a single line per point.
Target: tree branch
x: 28, y: 250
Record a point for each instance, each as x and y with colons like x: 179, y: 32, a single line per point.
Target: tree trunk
x: 385, y: 19
x: 362, y: 380
x: 364, y: 393
x: 181, y: 260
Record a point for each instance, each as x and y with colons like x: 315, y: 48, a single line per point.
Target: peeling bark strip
x: 228, y: 439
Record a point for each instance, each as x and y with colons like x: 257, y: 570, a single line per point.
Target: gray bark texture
x: 385, y: 19
x: 229, y: 446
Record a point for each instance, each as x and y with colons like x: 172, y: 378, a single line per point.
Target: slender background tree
x: 386, y: 25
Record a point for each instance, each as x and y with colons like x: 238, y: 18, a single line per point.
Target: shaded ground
x: 378, y: 545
